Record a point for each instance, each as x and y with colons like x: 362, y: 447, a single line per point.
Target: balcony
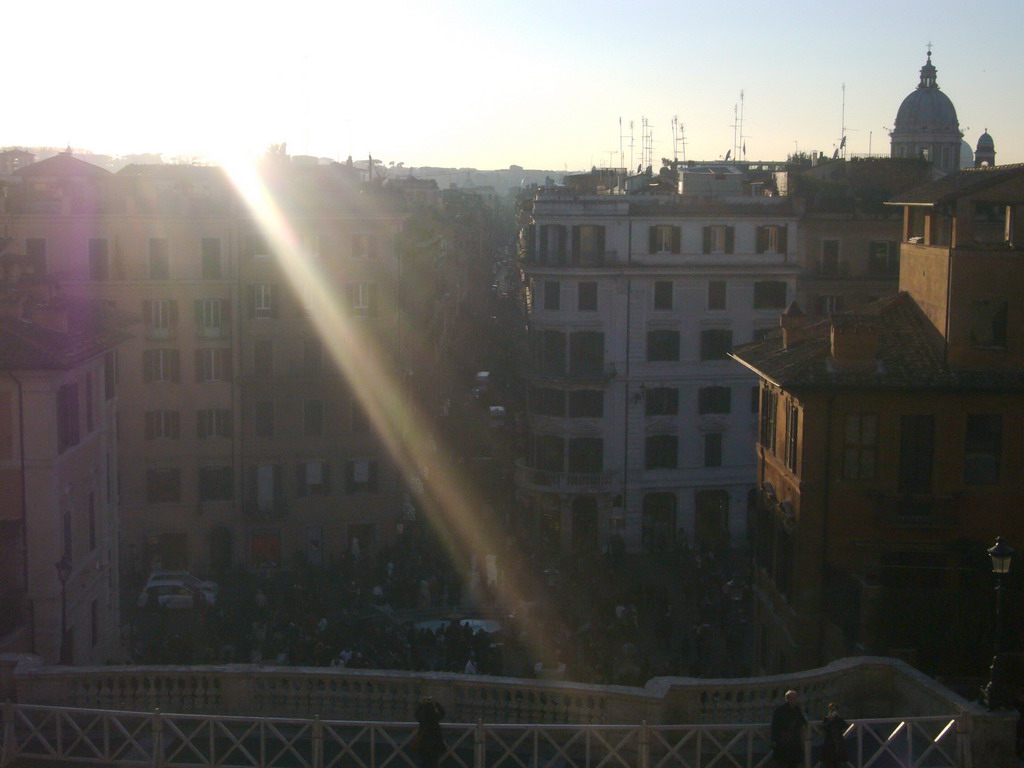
x: 591, y: 260
x: 564, y: 482
x: 577, y: 374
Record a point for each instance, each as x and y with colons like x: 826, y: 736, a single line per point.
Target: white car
x: 176, y: 589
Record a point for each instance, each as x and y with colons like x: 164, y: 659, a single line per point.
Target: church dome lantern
x: 926, y: 124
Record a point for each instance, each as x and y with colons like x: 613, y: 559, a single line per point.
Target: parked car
x: 177, y: 590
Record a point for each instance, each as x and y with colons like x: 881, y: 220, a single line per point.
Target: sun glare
x: 445, y: 494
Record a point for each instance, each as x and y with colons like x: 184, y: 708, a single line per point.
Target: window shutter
x: 372, y: 300
x: 275, y: 304
x: 783, y: 232
x: 561, y: 242
x: 150, y: 428
x: 251, y: 298
x: 762, y: 239
x: 147, y: 365
x: 199, y: 313
x: 228, y: 369
x: 730, y: 239
x: 174, y: 365
x: 372, y: 245
x: 677, y: 239
x: 600, y: 242
x: 199, y: 364
x: 325, y: 476
x: 201, y: 424
x: 228, y: 421
x: 300, y: 479
x: 576, y: 240
x: 173, y: 306
x: 707, y: 239
x: 652, y: 239
x: 350, y: 476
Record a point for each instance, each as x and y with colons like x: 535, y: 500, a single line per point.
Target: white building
x: 638, y: 424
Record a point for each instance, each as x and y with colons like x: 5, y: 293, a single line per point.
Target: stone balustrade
x: 865, y: 687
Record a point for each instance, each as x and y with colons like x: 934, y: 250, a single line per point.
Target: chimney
x: 793, y: 325
x: 854, y: 343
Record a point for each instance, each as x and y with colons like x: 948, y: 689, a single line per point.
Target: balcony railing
x: 576, y: 373
x: 575, y: 482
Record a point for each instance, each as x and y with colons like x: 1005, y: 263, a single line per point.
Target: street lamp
x: 63, y: 574
x: 995, y: 692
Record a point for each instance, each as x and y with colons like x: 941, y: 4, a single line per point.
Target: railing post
x: 645, y: 745
x: 478, y: 744
x: 963, y: 743
x: 318, y: 742
x: 10, y: 748
x: 157, y: 759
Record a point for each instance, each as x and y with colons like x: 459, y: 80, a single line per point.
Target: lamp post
x: 995, y: 692
x: 63, y: 574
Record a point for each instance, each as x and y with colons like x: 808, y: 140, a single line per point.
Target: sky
x: 485, y: 84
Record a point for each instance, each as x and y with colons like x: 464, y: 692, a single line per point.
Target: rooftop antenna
x: 620, y: 138
x: 743, y: 144
x: 682, y: 140
x: 842, y: 127
x: 630, y: 143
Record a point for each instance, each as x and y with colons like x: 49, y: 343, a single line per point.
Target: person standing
x: 428, y: 741
x: 833, y: 747
x: 788, y: 724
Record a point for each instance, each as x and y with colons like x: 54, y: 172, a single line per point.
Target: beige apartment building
x: 240, y: 442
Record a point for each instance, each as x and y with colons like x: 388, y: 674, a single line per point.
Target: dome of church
x: 985, y: 143
x: 926, y: 108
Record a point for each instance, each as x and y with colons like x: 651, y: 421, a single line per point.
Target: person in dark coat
x: 833, y: 747
x: 788, y: 725
x: 428, y: 741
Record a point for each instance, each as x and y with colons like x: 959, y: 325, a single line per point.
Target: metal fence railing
x: 158, y: 739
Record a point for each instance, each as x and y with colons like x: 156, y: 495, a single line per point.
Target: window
x: 313, y: 417
x: 313, y: 478
x: 361, y: 476
x: 35, y: 249
x: 547, y: 351
x: 715, y: 344
x: 99, y: 259
x: 159, y: 259
x: 712, y: 449
x: 917, y: 453
x: 362, y: 298
x: 714, y: 400
x: 884, y: 258
x: 266, y: 488
x: 162, y: 425
x: 364, y: 246
x: 830, y: 257
x: 209, y: 252
x: 769, y: 417
x: 549, y: 453
x: 663, y: 294
x: 216, y: 484
x: 258, y: 247
x: 552, y: 244
x: 661, y: 401
x: 586, y: 403
x: 163, y: 485
x: 263, y: 418
x: 213, y: 422
x: 663, y: 238
x: 586, y: 353
x: 587, y: 244
x: 860, y: 446
x: 988, y: 324
x: 264, y: 301
x: 716, y: 294
x: 213, y: 317
x: 91, y: 510
x: 312, y: 357
x: 586, y: 454
x: 89, y: 419
x: 263, y: 357
x: 552, y: 294
x: 719, y: 239
x: 983, y: 448
x: 110, y: 375
x: 160, y: 365
x: 662, y: 346
x: 587, y: 297
x: 830, y: 304
x: 792, y: 434
x: 360, y: 420
x: 660, y: 451
x: 769, y: 294
x: 213, y: 364
x: 67, y: 417
x: 311, y: 245
x: 161, y: 318
x: 771, y: 239
x: 545, y: 401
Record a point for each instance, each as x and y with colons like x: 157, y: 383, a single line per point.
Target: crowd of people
x: 594, y: 619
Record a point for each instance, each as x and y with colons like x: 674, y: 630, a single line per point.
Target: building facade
x: 638, y: 426
x: 890, y: 445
